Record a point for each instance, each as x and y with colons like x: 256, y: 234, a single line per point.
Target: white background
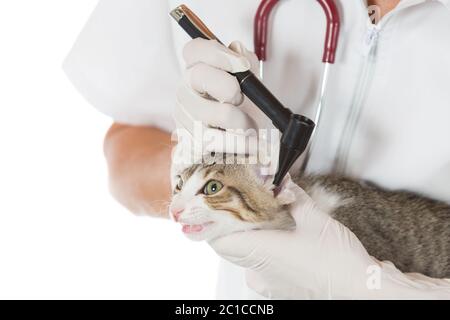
x: 61, y: 234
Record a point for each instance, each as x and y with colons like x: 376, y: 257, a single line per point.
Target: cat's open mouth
x: 195, y: 228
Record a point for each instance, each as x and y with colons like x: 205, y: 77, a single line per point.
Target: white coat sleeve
x: 124, y: 64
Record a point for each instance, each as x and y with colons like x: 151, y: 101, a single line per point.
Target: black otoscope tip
x: 293, y: 142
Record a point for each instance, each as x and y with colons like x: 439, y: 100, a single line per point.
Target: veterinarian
x: 386, y: 120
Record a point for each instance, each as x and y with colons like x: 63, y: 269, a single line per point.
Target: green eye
x: 212, y: 187
x: 179, y: 184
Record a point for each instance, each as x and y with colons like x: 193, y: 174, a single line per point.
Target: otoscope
x: 296, y: 129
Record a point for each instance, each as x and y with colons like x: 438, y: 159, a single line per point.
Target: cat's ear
x: 284, y: 192
x: 264, y: 175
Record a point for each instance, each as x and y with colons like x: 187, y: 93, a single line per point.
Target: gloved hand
x: 210, y: 94
x: 321, y: 259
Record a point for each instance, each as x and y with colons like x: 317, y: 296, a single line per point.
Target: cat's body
x: 409, y: 230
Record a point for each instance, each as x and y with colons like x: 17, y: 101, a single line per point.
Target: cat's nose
x: 176, y: 213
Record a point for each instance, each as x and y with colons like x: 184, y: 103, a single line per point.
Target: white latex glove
x: 321, y: 259
x: 211, y: 95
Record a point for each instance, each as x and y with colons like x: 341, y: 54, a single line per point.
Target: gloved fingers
x: 235, y: 248
x: 214, y: 54
x: 240, y: 49
x: 303, y: 209
x: 212, y: 82
x: 211, y: 113
x: 220, y: 141
x: 214, y: 140
x: 250, y: 249
x: 200, y: 139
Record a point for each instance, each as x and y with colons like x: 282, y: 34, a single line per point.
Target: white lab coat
x: 386, y: 116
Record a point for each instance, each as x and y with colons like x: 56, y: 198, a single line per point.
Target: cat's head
x: 221, y: 196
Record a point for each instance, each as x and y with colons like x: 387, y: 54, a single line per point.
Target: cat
x: 219, y: 197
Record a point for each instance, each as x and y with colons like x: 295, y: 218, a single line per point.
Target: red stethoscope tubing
x: 261, y: 26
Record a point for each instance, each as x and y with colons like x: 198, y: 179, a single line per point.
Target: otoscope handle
x: 253, y: 88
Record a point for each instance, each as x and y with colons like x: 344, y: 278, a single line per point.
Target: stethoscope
x: 296, y: 129
x: 260, y: 35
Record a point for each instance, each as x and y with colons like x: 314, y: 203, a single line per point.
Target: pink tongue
x: 192, y: 228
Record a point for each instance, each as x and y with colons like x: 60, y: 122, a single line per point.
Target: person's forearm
x: 139, y: 163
